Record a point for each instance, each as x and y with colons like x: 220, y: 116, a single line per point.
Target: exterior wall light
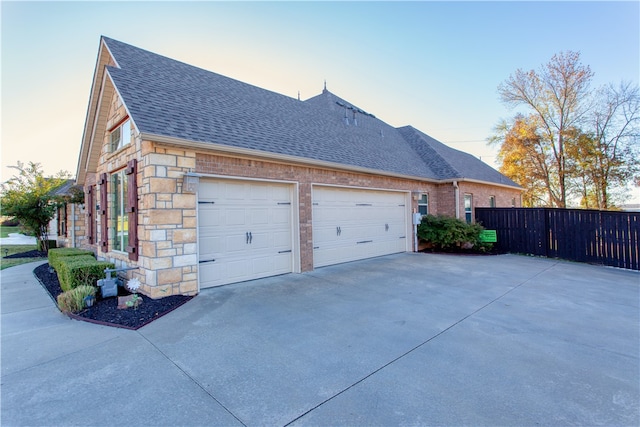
x: 190, y: 184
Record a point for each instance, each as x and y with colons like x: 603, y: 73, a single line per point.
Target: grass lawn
x: 5, y: 230
x: 16, y: 249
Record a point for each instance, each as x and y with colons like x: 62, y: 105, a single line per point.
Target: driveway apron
x: 417, y: 339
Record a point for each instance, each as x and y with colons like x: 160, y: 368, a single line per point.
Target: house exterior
x: 201, y: 180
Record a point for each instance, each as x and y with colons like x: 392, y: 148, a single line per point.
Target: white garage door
x: 353, y: 224
x: 244, y: 231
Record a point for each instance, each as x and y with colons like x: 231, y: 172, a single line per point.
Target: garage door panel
x: 259, y: 216
x: 281, y: 215
x: 239, y: 208
x: 351, y: 224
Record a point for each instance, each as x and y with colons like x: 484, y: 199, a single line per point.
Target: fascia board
x: 495, y: 184
x: 93, y: 105
x: 208, y: 146
x: 123, y: 103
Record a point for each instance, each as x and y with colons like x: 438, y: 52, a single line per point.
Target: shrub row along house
x: 200, y: 180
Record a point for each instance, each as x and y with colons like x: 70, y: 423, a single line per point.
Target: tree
x: 574, y: 144
x: 28, y: 198
x: 524, y: 159
x: 557, y: 98
x: 614, y: 125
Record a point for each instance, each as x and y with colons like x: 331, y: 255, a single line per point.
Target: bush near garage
x: 55, y: 255
x: 75, y: 271
x: 447, y: 233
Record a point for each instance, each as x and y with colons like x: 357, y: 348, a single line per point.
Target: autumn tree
x: 573, y: 143
x: 524, y: 159
x: 613, y: 153
x: 556, y: 98
x: 28, y: 198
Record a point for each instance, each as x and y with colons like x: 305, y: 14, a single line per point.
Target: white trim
x: 113, y: 58
x: 355, y: 187
x: 239, y: 178
x: 407, y: 205
x: 130, y: 117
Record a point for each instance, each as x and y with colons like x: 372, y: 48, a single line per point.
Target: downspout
x: 456, y: 192
x: 73, y: 225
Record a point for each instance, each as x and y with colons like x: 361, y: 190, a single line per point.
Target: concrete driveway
x: 408, y: 339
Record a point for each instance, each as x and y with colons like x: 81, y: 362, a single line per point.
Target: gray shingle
x: 170, y: 98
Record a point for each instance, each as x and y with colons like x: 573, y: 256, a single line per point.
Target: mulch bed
x: 29, y: 254
x: 105, y: 311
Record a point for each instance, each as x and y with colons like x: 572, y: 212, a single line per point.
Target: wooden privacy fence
x: 602, y: 237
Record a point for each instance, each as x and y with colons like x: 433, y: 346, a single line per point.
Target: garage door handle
x: 386, y: 227
x: 247, y: 236
x: 206, y: 260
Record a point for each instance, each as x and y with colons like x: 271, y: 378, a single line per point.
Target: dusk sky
x: 433, y: 65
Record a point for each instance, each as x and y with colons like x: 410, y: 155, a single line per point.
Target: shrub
x: 448, y: 233
x: 72, y: 301
x: 56, y: 254
x: 80, y: 270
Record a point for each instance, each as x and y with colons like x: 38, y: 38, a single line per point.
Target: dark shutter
x: 104, y: 225
x: 64, y: 220
x: 89, y: 204
x: 132, y: 208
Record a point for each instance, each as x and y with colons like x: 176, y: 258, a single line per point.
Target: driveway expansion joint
x: 421, y: 344
x: 195, y: 381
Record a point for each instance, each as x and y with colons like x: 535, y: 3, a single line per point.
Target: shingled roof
x: 172, y: 99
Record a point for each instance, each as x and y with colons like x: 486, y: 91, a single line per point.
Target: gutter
x: 456, y: 195
x: 210, y: 146
x: 73, y: 225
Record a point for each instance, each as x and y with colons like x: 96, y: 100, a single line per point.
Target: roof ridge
x: 420, y: 143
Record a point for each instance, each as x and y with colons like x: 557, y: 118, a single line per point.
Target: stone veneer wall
x: 167, y: 229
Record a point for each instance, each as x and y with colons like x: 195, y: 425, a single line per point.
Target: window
x: 468, y: 209
x: 121, y: 136
x: 423, y: 204
x: 492, y: 201
x: 513, y: 202
x: 119, y: 213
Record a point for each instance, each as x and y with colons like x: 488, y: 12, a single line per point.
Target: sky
x: 433, y: 65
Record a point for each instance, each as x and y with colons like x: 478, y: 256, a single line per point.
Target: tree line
x: 572, y: 144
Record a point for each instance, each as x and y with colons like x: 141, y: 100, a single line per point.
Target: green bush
x: 56, y: 254
x: 80, y: 270
x: 449, y: 233
x: 72, y: 301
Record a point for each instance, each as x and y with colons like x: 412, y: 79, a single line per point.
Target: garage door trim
x: 295, y: 213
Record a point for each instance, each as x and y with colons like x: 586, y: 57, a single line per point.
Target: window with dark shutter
x: 132, y: 208
x: 104, y: 225
x: 89, y: 203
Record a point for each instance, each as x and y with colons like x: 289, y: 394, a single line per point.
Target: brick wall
x: 481, y: 194
x: 305, y: 176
